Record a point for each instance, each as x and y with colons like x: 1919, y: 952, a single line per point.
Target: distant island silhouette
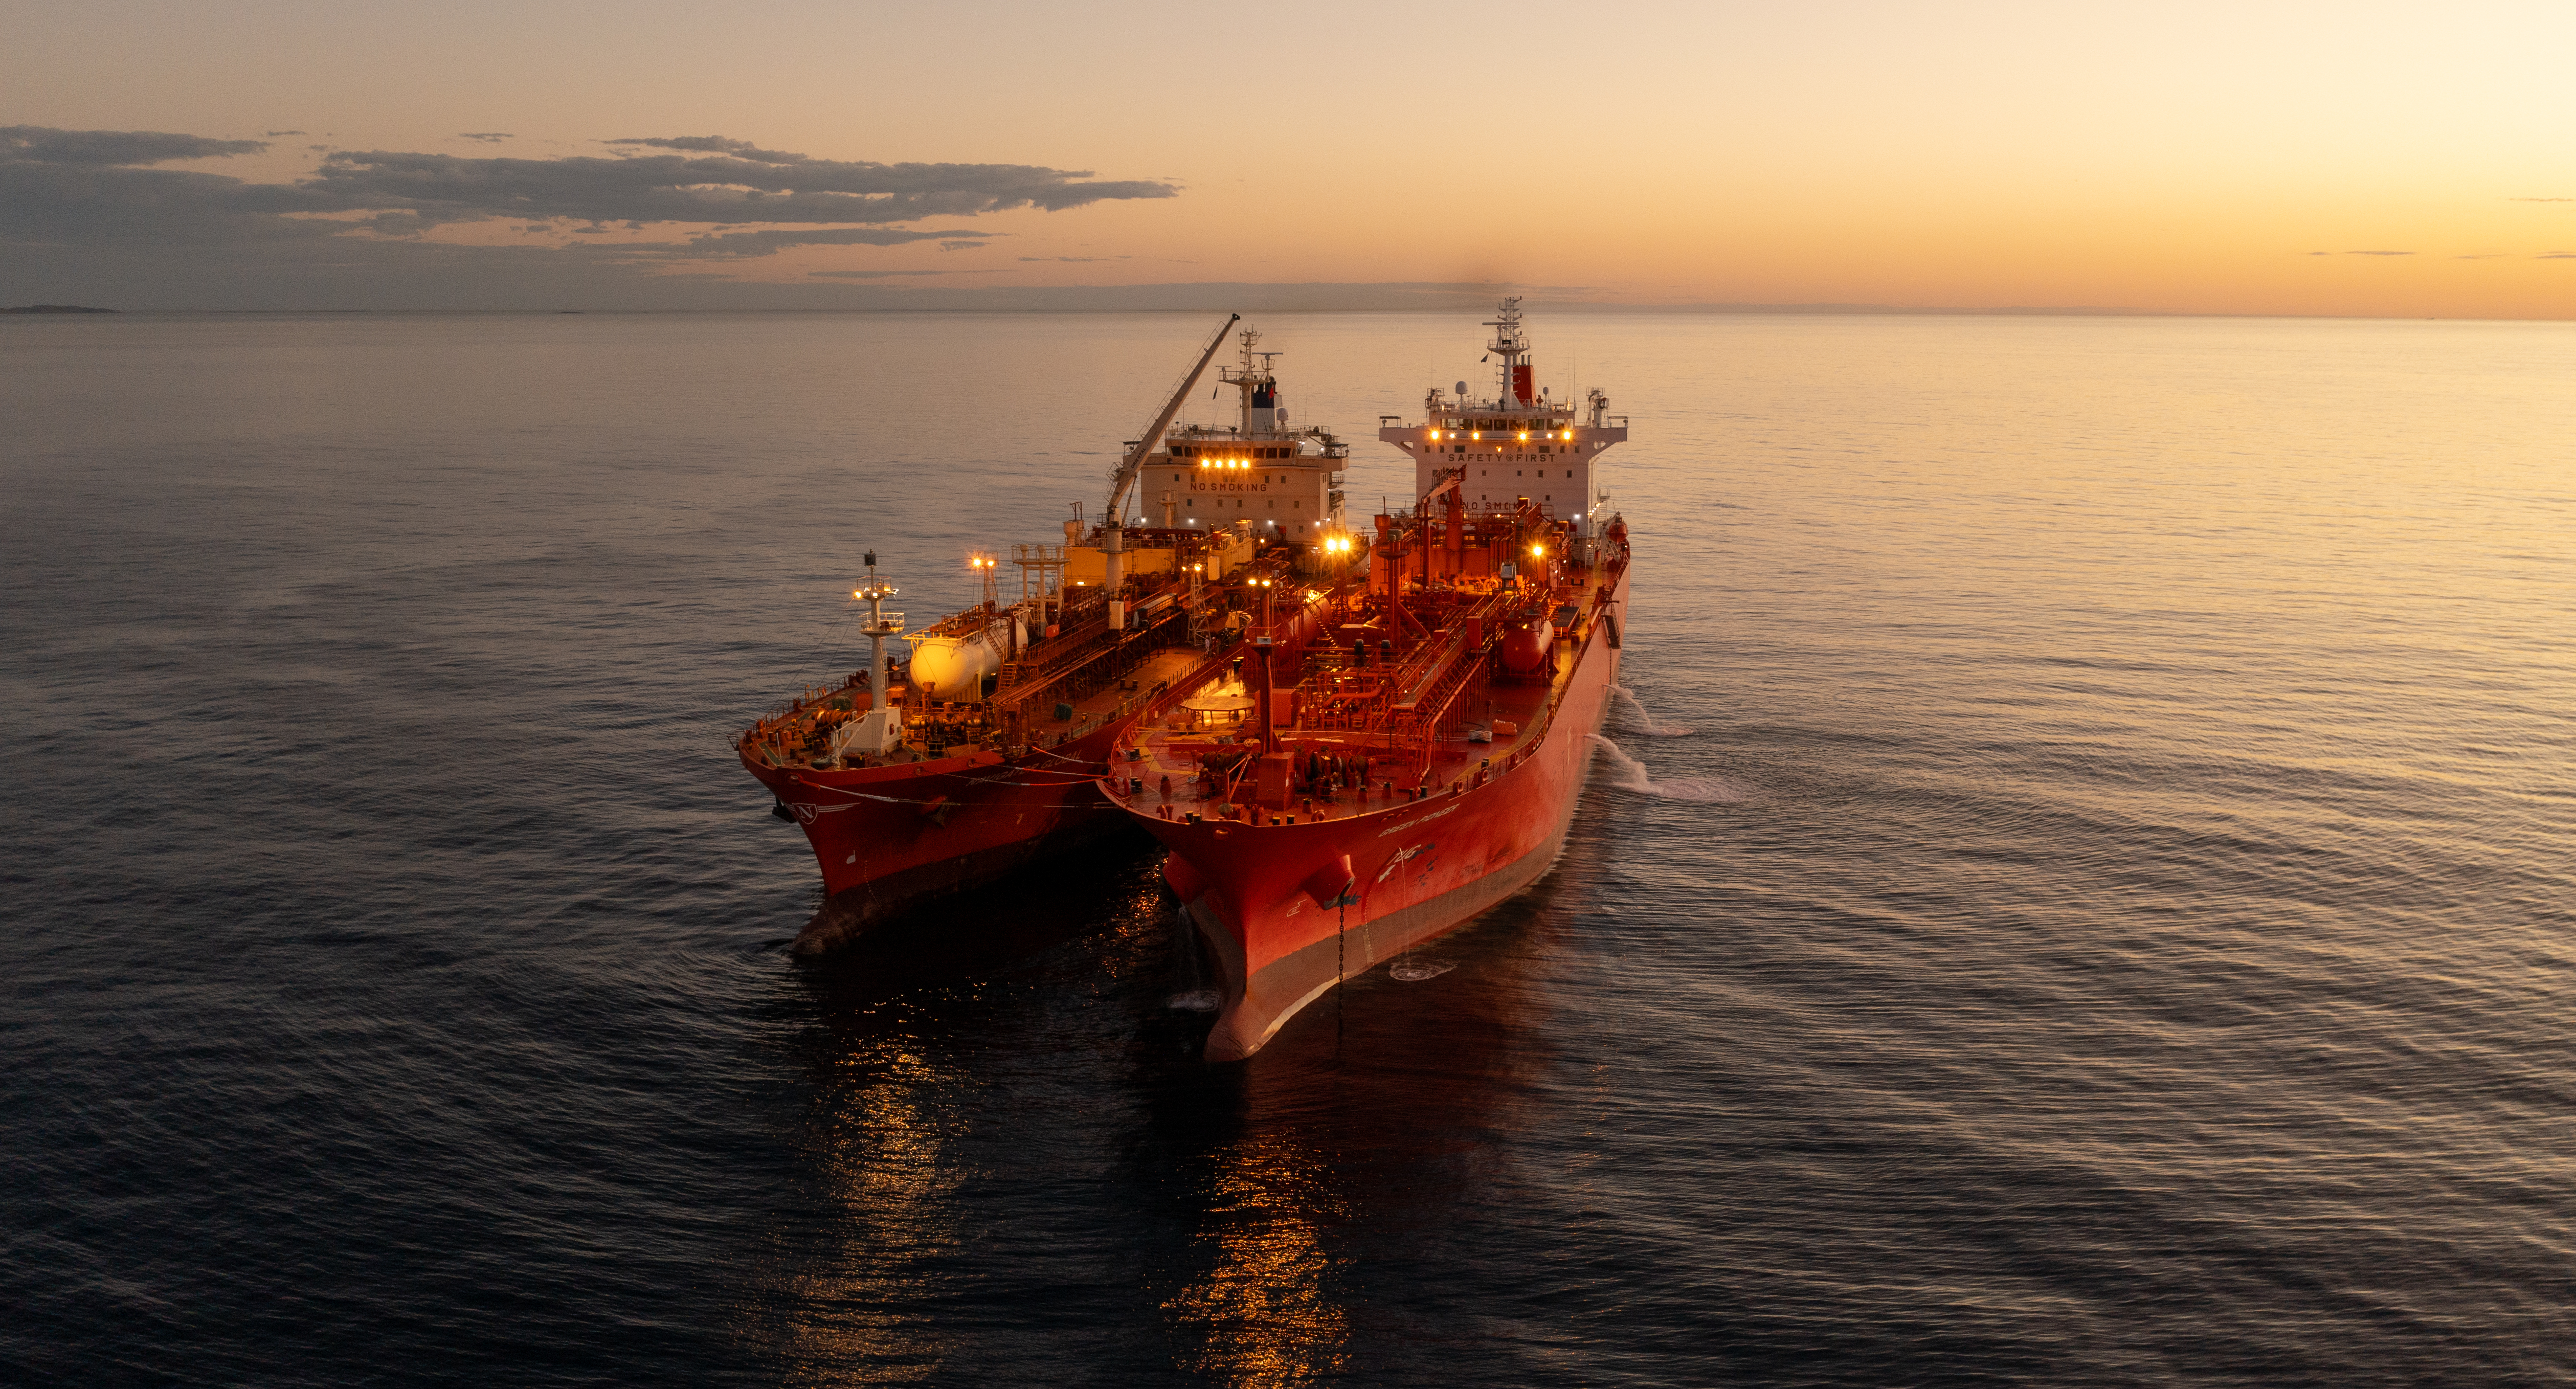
x: 55, y: 308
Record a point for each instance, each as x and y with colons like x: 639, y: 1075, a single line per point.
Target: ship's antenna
x: 1252, y: 381
x: 1511, y: 347
x: 879, y: 729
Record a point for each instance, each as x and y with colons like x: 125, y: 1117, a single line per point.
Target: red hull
x: 1417, y: 868
x: 889, y: 838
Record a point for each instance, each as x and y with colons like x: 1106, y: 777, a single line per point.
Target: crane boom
x: 1134, y: 462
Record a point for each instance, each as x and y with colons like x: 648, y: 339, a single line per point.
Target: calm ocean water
x: 2082, y: 894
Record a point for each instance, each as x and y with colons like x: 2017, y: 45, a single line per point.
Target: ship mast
x: 879, y: 728
x: 1518, y: 391
x: 1115, y: 514
x: 1258, y: 383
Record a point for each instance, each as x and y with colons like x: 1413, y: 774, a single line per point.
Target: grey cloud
x: 1076, y: 260
x: 891, y: 274
x: 39, y: 144
x: 960, y: 245
x: 489, y: 137
x: 2556, y: 255
x: 95, y: 205
x: 273, y: 134
x: 711, y: 188
x: 84, y: 218
x: 761, y: 243
x: 716, y: 144
x: 76, y: 183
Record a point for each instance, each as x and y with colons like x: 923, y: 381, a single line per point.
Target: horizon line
x: 946, y: 300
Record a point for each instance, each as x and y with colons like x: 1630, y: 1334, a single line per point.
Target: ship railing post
x: 1261, y: 646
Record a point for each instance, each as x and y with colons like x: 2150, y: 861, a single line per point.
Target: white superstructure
x: 1280, y: 481
x: 1519, y: 443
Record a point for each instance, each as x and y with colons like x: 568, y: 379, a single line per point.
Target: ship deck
x: 1203, y: 749
x: 800, y: 735
x: 1160, y: 668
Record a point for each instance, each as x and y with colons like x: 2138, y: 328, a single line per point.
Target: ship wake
x: 1629, y: 774
x: 1637, y: 719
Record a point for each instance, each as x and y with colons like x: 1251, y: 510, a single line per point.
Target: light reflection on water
x: 1367, y: 1126
x: 1268, y: 1312
x: 883, y: 1152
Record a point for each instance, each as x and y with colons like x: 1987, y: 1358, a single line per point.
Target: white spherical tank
x: 953, y: 668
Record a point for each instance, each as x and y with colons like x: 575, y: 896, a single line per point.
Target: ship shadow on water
x: 960, y: 939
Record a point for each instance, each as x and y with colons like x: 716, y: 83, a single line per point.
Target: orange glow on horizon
x: 2366, y: 158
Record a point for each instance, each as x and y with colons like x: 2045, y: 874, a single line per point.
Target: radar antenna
x: 1518, y: 388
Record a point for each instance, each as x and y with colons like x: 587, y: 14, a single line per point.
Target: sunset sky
x: 2239, y: 158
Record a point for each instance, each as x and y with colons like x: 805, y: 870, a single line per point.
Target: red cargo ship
x: 983, y: 751
x: 1391, y: 756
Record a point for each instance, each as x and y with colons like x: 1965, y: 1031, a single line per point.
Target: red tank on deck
x: 1434, y: 748
x: 1527, y: 644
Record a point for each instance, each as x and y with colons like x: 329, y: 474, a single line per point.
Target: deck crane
x: 1115, y: 513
